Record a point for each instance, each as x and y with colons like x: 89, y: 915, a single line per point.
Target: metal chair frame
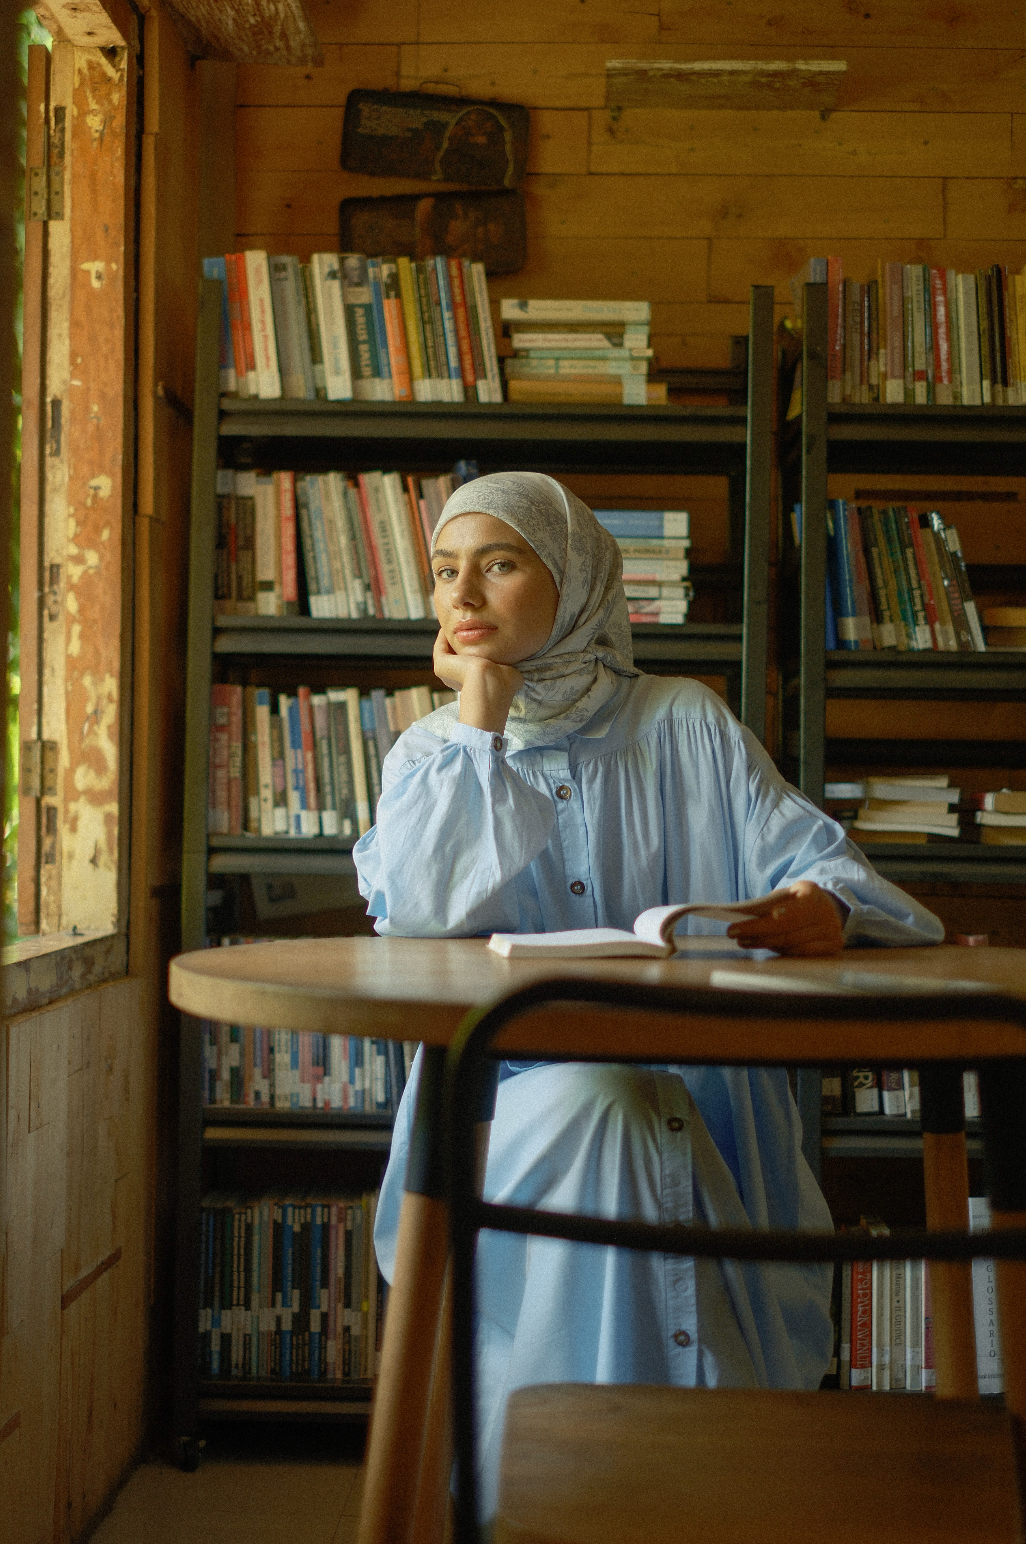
x: 470, y: 1083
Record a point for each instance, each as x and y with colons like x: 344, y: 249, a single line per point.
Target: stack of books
x: 896, y: 580
x: 329, y: 544
x: 655, y: 545
x: 289, y: 1288
x: 1001, y: 818
x: 579, y: 351
x: 1004, y: 627
x: 920, y: 334
x: 280, y: 1069
x: 345, y: 326
x: 307, y: 764
x: 907, y: 809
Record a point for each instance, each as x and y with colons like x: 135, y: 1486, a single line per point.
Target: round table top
x: 420, y: 989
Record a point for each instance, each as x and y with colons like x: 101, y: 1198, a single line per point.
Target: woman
x: 567, y: 790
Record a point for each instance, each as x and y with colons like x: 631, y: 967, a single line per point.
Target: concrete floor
x: 255, y: 1485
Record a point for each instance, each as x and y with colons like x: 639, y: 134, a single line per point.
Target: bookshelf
x: 237, y: 1148
x: 859, y: 439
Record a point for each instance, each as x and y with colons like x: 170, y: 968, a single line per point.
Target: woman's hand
x: 486, y: 688
x: 800, y: 920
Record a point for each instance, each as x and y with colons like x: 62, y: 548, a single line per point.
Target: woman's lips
x: 474, y: 632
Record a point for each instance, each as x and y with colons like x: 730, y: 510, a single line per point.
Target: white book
x: 931, y: 828
x: 261, y: 317
x: 924, y: 786
x: 388, y: 560
x: 484, y: 314
x: 331, y: 318
x: 266, y: 546
x: 881, y: 1364
x: 652, y: 935
x: 971, y: 1095
x: 899, y: 1323
x: 576, y: 311
x: 333, y: 502
x: 913, y: 812
x: 329, y: 518
x: 969, y: 341
x: 989, y: 1362
x: 402, y: 537
x: 996, y: 818
x: 913, y: 1325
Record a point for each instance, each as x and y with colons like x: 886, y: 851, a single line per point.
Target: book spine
x: 304, y: 320
x: 926, y: 582
x: 313, y: 591
x: 484, y: 312
x: 336, y: 563
x: 915, y: 272
x: 285, y: 487
x: 989, y: 1359
x: 325, y: 776
x: 331, y: 314
x: 286, y: 333
x: 236, y: 743
x: 852, y: 349
x: 325, y: 577
x: 941, y: 336
x: 420, y: 540
x: 245, y: 544
x: 861, y: 1374
x: 371, y: 757
x: 217, y: 796
x: 996, y: 314
x: 362, y: 602
x: 899, y: 1330
x: 261, y: 315
x: 311, y: 820
x: 265, y: 773
x: 481, y: 386
x: 231, y: 285
x: 835, y: 329
x: 873, y: 346
x: 860, y: 576
x: 841, y: 586
x: 986, y: 339
x: 238, y: 293
x: 359, y: 310
x: 383, y: 728
x: 402, y: 539
x: 895, y: 334
x: 895, y: 557
x: 370, y: 553
x: 314, y: 337
x: 452, y: 350
x: 1013, y: 390
x: 908, y: 332
x: 965, y: 589
x: 342, y: 765
x: 371, y: 484
x: 279, y: 777
x: 923, y: 634
x: 886, y: 635
x: 361, y: 791
x: 215, y: 268
x: 386, y: 391
x: 952, y: 592
x: 461, y: 323
x: 414, y: 329
x: 969, y: 341
x: 431, y: 366
x: 295, y: 780
x: 923, y: 280
x: 913, y: 1326
x: 265, y: 546
x: 446, y: 390
x: 395, y: 329
x: 954, y: 334
x: 224, y: 544
x: 1020, y: 331
x: 251, y: 765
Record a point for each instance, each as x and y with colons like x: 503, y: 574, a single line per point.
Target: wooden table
x: 421, y: 989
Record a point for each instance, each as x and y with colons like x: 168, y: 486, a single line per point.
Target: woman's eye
x: 502, y: 566
x: 445, y: 573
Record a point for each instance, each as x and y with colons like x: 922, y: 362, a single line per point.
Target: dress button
x: 496, y: 742
x: 682, y: 1338
x: 675, y: 1123
x: 563, y: 792
x: 578, y: 887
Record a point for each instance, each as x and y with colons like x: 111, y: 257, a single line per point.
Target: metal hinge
x: 39, y: 766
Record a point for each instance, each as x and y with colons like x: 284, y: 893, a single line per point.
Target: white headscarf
x: 589, y: 651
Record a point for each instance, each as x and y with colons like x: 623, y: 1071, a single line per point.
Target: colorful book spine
x: 395, y: 331
x: 386, y: 390
x: 215, y: 268
x: 261, y: 315
x: 452, y: 350
x: 326, y: 272
x: 414, y: 326
x: 360, y: 329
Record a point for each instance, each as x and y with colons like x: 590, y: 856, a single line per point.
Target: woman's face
x: 494, y: 596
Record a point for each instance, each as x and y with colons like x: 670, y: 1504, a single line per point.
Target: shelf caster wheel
x: 190, y: 1449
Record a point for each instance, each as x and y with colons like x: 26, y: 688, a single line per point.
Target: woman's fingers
x: 802, y: 919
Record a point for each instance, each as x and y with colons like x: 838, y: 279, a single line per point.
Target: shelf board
x: 296, y: 858
x: 374, y: 1139
x: 856, y: 1144
x: 706, y: 643
x: 948, y: 863
x: 909, y: 423
x: 892, y: 673
x: 246, y: 843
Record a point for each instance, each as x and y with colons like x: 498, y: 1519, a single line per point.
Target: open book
x: 653, y: 934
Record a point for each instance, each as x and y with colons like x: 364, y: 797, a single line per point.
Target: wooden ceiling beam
x: 247, y: 31
x: 724, y: 83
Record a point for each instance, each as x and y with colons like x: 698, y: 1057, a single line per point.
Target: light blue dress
x: 662, y: 797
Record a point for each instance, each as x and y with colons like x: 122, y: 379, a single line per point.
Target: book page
x: 656, y: 925
x: 580, y: 943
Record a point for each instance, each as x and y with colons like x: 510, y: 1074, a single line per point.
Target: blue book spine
x: 294, y: 1068
x: 380, y: 331
x: 644, y: 524
x: 452, y: 348
x: 842, y: 580
x: 356, y: 1072
x: 297, y: 769
x: 213, y: 268
x: 325, y: 581
x: 286, y: 1290
x: 382, y: 728
x: 315, y: 1291
x: 829, y: 617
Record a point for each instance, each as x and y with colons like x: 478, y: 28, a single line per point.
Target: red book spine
x: 217, y: 796
x: 929, y: 599
x: 235, y: 323
x: 862, y: 1324
x: 835, y: 328
x: 248, y: 346
x: 367, y: 526
x: 235, y: 745
x: 463, y: 339
x: 286, y: 482
x: 420, y: 546
x: 309, y: 751
x: 941, y: 336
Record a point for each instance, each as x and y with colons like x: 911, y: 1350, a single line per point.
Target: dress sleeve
x: 788, y: 838
x: 455, y: 826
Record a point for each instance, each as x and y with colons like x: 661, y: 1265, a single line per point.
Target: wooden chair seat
x: 610, y: 1464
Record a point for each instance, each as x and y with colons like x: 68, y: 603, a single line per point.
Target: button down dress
x: 662, y: 797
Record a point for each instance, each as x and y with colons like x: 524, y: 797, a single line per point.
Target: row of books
x: 289, y: 1288
x: 922, y: 334
x: 282, y: 1069
x: 345, y: 326
x: 890, y: 1091
x: 883, y: 1317
x: 307, y: 764
x: 562, y: 355
x: 358, y: 546
x: 328, y: 544
x: 924, y: 804
x: 896, y: 580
